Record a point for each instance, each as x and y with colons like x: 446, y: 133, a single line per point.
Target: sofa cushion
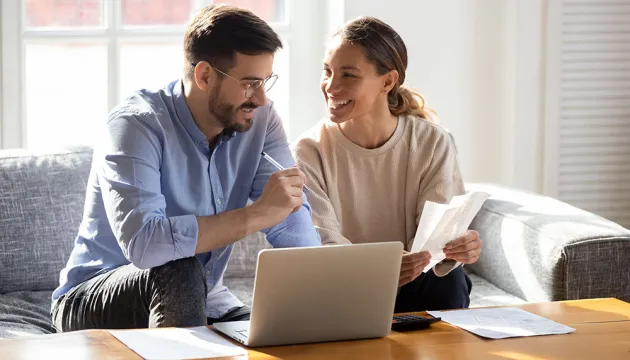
x: 485, y: 294
x: 541, y: 249
x: 25, y: 313
x: 41, y: 203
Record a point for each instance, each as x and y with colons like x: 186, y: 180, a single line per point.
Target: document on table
x: 442, y: 223
x: 177, y: 343
x: 501, y: 323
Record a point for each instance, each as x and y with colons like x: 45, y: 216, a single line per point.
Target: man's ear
x: 203, y: 75
x: 390, y: 80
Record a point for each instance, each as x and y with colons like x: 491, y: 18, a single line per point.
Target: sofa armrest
x: 541, y: 249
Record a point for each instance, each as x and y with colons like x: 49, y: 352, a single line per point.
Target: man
x: 166, y: 195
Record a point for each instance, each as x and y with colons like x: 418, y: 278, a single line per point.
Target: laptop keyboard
x: 243, y: 332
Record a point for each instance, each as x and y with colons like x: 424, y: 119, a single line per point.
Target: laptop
x: 318, y: 294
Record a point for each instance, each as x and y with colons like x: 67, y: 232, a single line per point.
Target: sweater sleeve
x: 443, y: 181
x: 325, y: 219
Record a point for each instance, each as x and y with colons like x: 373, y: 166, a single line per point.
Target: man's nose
x: 259, y: 97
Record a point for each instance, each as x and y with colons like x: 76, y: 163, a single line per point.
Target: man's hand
x: 281, y: 196
x: 465, y: 249
x: 412, y: 266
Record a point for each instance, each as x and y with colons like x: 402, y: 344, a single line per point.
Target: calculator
x: 412, y: 322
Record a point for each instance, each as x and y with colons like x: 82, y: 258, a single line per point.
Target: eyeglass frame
x: 249, y: 87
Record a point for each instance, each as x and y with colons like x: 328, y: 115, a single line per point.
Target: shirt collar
x: 184, y: 115
x: 228, y: 135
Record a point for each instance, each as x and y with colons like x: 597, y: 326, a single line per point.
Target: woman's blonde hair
x: 385, y: 49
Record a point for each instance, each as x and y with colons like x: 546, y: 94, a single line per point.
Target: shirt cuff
x: 296, y: 230
x: 185, y: 232
x: 444, y: 267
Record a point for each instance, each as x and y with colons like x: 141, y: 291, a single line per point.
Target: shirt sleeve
x: 297, y: 229
x: 128, y: 170
x: 324, y: 216
x: 443, y: 182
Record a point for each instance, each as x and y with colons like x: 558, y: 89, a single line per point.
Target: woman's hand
x: 412, y: 266
x: 465, y: 249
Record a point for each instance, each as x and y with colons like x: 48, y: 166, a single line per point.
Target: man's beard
x: 226, y: 114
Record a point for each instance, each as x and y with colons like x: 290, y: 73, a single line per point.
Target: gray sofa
x: 535, y: 248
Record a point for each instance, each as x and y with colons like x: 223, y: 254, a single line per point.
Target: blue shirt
x: 153, y: 173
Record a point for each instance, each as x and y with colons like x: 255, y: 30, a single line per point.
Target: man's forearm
x: 216, y: 231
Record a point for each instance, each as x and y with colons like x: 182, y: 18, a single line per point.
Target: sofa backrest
x: 245, y: 256
x: 41, y: 204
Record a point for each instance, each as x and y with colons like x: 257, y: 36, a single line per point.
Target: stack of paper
x: 501, y: 323
x: 442, y: 223
x: 176, y: 343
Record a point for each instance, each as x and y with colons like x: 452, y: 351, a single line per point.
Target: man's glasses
x: 251, y: 86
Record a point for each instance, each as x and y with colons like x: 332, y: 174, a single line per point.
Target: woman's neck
x: 371, y: 130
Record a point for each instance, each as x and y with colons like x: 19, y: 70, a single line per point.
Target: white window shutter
x: 587, y: 121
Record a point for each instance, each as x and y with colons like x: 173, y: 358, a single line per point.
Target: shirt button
x: 219, y: 201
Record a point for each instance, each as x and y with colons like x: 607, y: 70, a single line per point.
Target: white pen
x: 277, y: 165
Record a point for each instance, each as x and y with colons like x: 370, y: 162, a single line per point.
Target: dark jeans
x: 431, y: 292
x: 173, y: 294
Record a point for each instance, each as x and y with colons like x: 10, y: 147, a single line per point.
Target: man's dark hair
x: 217, y: 32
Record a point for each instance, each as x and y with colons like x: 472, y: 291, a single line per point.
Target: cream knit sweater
x: 363, y: 195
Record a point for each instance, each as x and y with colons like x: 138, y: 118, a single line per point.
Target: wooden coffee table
x: 602, y: 332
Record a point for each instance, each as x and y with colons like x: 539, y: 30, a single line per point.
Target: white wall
x: 307, y: 48
x: 466, y: 58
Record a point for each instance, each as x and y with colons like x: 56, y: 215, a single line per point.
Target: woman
x: 378, y: 158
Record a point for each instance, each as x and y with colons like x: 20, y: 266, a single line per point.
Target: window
x: 66, y: 63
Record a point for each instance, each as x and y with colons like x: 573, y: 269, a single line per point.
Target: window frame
x: 113, y: 34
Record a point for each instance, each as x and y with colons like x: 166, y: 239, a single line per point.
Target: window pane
x: 279, y: 94
x: 146, y: 66
x: 268, y: 10
x: 66, y: 94
x: 54, y: 14
x: 155, y: 12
